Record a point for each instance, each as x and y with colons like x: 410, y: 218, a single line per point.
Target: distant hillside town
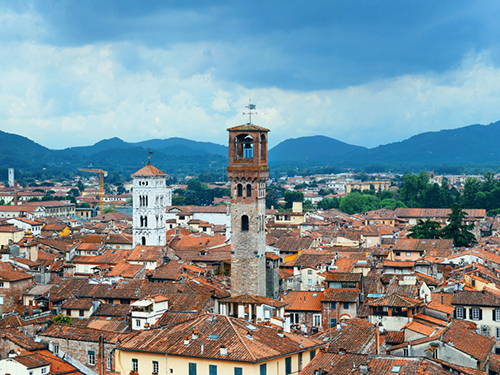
x: 335, y: 273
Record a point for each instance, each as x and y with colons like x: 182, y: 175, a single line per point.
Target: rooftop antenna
x: 251, y: 107
x: 149, y: 156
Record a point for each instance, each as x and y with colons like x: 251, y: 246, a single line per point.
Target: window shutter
x: 493, y: 313
x: 480, y: 314
x: 455, y: 313
x: 470, y: 313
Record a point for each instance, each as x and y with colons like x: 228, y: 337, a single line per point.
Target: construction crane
x: 102, y: 174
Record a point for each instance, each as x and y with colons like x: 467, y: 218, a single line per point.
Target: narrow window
x: 238, y: 371
x: 91, y: 357
x: 240, y: 190
x: 143, y: 241
x: 263, y: 147
x: 212, y: 370
x: 312, y: 354
x: 135, y: 364
x: 192, y: 369
x: 244, y: 223
x: 156, y: 367
x: 288, y: 365
x: 263, y: 369
x: 249, y: 190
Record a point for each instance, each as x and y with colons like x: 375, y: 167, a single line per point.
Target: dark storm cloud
x: 291, y: 45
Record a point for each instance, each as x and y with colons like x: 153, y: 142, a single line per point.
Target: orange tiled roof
x: 303, y: 301
x: 149, y: 170
x: 244, y: 342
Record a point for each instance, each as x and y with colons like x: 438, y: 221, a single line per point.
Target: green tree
x: 391, y: 204
x: 324, y: 192
x: 80, y: 186
x: 273, y: 193
x: 456, y: 230
x: 328, y: 203
x: 428, y: 229
x: 352, y: 203
x: 109, y: 209
x: 62, y: 319
x: 472, y: 186
x: 293, y: 196
x: 413, y: 192
x: 74, y: 192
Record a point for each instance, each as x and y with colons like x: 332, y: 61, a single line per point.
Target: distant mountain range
x: 470, y: 145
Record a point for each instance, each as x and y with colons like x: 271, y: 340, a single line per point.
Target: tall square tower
x: 150, y: 199
x: 248, y: 172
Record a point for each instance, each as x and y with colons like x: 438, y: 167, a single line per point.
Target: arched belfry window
x: 244, y: 223
x: 143, y: 241
x: 240, y: 190
x: 263, y: 147
x: 249, y: 190
x: 244, y: 146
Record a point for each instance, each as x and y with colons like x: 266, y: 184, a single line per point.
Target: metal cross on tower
x: 251, y: 107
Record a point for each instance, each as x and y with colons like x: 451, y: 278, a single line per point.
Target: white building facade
x: 151, y: 196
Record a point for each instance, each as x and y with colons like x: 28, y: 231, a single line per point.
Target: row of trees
x: 456, y: 229
x: 476, y: 193
x: 197, y: 193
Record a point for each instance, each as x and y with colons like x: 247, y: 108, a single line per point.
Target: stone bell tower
x: 248, y: 172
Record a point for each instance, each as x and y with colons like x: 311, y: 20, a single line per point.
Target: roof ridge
x: 241, y: 338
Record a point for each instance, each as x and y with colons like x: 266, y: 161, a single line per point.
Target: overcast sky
x: 363, y: 72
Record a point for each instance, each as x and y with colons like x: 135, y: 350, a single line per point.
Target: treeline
x: 198, y: 194
x: 416, y: 191
x: 476, y: 193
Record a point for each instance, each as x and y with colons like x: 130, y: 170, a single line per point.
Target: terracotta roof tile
x: 149, y: 170
x: 244, y: 342
x: 303, y: 301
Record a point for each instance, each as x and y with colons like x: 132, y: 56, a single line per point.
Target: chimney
x: 363, y: 369
x: 280, y: 333
x: 377, y: 339
x: 223, y: 350
x: 194, y: 335
x: 30, y: 307
x: 186, y: 340
x: 341, y: 351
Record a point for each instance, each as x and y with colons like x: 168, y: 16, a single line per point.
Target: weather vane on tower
x: 251, y: 107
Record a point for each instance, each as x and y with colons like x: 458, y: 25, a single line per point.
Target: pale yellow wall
x: 179, y: 364
x: 14, y: 236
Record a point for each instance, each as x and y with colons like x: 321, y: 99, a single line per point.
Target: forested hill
x: 474, y: 145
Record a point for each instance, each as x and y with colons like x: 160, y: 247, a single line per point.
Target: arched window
x: 249, y: 190
x: 244, y: 146
x: 263, y: 147
x: 143, y: 241
x: 244, y: 223
x: 240, y: 190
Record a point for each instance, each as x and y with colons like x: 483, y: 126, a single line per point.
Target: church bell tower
x: 248, y: 172
x: 150, y: 199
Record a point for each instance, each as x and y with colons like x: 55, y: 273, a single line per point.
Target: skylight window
x: 252, y: 328
x: 213, y: 336
x: 396, y: 369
